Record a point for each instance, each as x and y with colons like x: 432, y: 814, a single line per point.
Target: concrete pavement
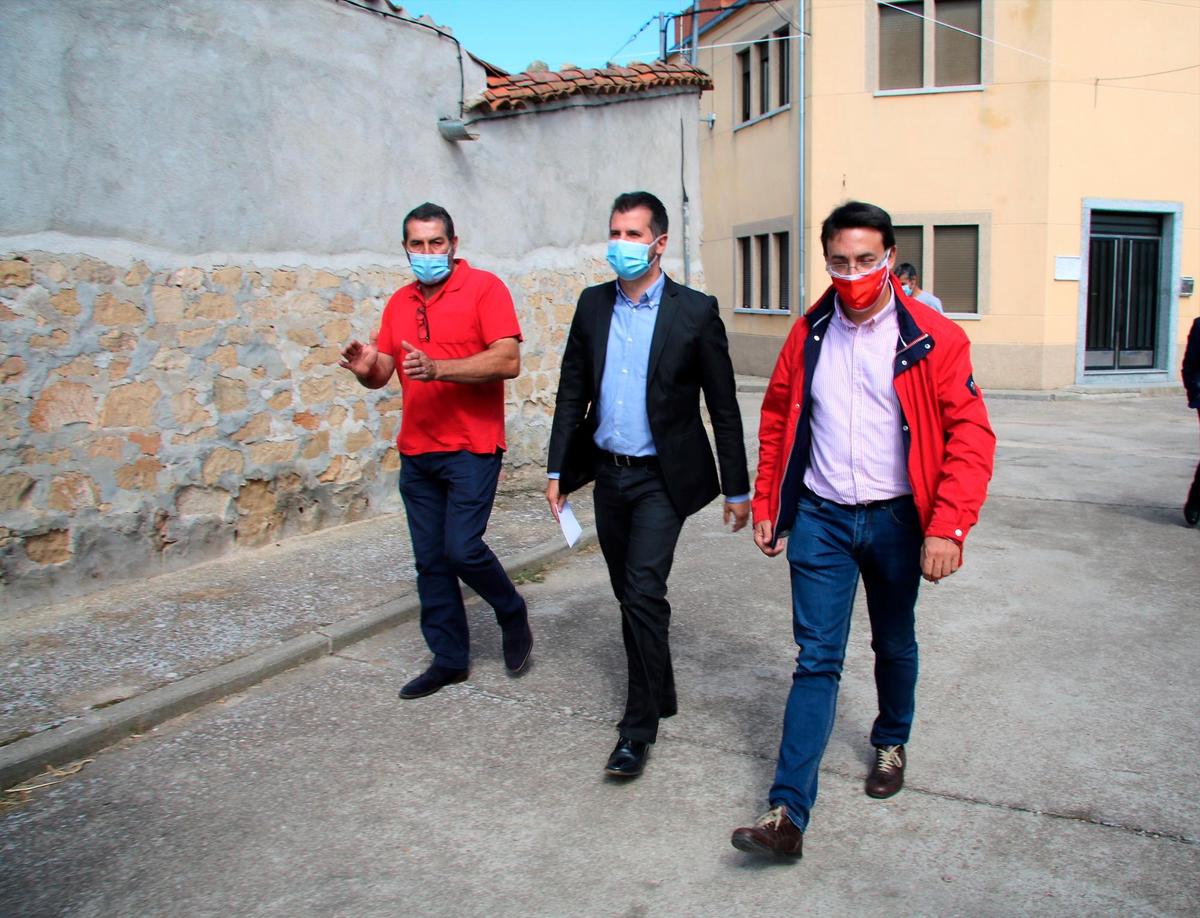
x: 1051, y: 766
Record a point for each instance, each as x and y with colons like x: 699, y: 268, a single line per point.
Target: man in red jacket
x: 874, y: 458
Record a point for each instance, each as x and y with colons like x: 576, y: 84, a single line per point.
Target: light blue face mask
x: 630, y: 260
x: 430, y: 269
x: 907, y: 289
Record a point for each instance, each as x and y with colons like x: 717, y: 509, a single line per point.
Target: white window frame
x: 929, y: 39
x: 767, y: 228
x: 927, y: 220
x: 777, y: 48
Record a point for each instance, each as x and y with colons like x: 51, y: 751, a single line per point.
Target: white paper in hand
x: 571, y: 529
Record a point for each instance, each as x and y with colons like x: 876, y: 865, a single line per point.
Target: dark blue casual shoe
x: 433, y: 679
x: 518, y: 644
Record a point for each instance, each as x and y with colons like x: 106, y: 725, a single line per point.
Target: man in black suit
x: 640, y: 351
x: 1191, y: 382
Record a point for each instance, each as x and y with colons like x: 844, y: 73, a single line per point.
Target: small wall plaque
x: 1066, y: 267
x: 1187, y: 286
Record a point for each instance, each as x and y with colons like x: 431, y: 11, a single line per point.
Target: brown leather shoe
x: 773, y: 833
x: 887, y: 777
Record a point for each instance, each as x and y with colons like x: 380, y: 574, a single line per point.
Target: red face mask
x: 860, y: 291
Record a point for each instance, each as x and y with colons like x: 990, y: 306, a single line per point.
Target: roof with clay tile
x: 510, y: 92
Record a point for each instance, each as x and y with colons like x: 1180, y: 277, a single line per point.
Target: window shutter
x: 743, y: 59
x: 747, y: 276
x: 956, y: 56
x: 782, y: 257
x: 764, y: 271
x: 901, y: 53
x: 764, y: 77
x: 784, y: 56
x: 909, y: 247
x: 956, y: 267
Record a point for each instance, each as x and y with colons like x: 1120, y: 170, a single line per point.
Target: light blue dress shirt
x: 624, y: 426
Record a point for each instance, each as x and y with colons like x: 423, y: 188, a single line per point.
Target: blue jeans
x: 448, y: 500
x: 829, y: 546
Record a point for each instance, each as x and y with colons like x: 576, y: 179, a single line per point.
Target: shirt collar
x: 650, y: 299
x: 879, y: 317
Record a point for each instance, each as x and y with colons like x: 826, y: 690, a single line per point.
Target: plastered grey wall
x: 203, y: 202
x: 295, y: 127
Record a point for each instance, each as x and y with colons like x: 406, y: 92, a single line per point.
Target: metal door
x: 1123, y: 291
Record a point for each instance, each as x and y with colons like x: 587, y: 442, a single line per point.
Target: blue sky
x: 511, y: 33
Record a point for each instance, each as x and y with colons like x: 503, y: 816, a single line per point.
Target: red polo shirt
x: 472, y: 311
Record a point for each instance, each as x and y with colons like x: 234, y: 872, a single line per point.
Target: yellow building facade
x: 1040, y: 160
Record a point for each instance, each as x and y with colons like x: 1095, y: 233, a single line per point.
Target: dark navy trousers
x: 638, y: 527
x: 448, y: 499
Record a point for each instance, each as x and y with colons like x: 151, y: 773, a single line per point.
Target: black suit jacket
x: 1191, y: 365
x: 689, y: 353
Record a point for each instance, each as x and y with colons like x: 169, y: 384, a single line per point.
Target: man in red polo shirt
x: 453, y: 333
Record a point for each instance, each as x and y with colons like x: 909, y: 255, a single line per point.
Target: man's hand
x: 763, y: 530
x: 553, y: 498
x: 738, y: 513
x: 417, y: 364
x: 939, y: 558
x: 359, y: 358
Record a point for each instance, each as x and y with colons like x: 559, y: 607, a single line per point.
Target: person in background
x: 1191, y: 382
x: 907, y: 272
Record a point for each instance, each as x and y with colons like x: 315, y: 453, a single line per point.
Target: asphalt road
x: 1051, y: 771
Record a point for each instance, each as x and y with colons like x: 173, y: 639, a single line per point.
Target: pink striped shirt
x: 857, y: 445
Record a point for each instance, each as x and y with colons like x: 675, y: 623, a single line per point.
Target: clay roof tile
x: 512, y: 91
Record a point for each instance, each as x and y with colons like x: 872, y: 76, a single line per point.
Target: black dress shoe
x: 517, y: 646
x: 433, y: 679
x: 628, y: 758
x: 1191, y: 512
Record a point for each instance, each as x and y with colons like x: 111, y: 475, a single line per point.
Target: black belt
x: 868, y: 505
x: 627, y: 461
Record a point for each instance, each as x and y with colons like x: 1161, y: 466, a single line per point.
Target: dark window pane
x: 909, y: 244
x: 956, y: 267
x: 783, y: 53
x: 747, y: 275
x: 764, y: 271
x: 956, y: 55
x: 744, y: 70
x: 1126, y: 223
x: 901, y: 52
x: 764, y: 77
x: 1102, y: 271
x: 783, y: 260
x: 1139, y: 334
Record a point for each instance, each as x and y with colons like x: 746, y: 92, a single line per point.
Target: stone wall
x: 203, y: 201
x: 155, y: 418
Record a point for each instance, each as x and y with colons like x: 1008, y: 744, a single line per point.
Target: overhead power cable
x: 955, y: 28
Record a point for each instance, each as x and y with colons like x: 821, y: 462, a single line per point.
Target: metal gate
x: 1124, y: 265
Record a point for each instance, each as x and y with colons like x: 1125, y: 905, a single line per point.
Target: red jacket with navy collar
x: 947, y: 437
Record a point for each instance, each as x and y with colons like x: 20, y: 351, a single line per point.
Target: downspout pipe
x: 695, y: 33
x: 687, y: 255
x: 801, y: 161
